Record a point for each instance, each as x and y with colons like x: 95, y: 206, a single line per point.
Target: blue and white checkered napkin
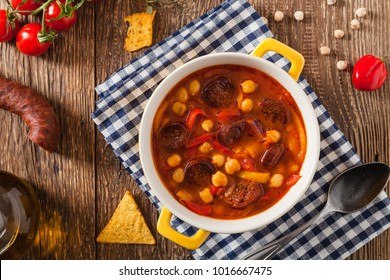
x: 234, y: 26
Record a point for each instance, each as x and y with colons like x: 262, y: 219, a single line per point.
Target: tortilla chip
x: 140, y: 32
x: 127, y: 225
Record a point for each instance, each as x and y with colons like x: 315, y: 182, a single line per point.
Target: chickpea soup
x: 228, y: 141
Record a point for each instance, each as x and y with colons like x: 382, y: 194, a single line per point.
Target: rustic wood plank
x: 65, y: 180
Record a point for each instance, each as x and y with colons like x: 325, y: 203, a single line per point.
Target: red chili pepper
x: 221, y: 148
x: 199, y: 140
x: 292, y: 180
x: 369, y: 73
x: 191, y: 117
x: 201, y: 209
x: 227, y: 114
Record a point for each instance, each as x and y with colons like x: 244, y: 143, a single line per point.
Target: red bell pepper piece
x: 221, y: 148
x: 292, y: 180
x: 227, y: 114
x: 192, y: 115
x: 199, y: 140
x: 247, y: 164
x: 217, y: 190
x: 201, y: 209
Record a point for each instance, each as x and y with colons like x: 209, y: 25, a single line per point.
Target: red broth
x: 228, y: 141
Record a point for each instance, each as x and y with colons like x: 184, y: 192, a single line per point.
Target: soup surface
x: 228, y: 141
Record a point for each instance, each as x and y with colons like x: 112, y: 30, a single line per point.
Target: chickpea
x: 174, y: 160
x: 182, y: 94
x: 324, y: 50
x: 273, y: 136
x: 194, y: 87
x: 355, y: 24
x: 246, y: 105
x: 232, y: 165
x: 207, y: 125
x: 218, y: 160
x: 178, y: 175
x: 179, y: 108
x: 278, y: 16
x: 299, y: 15
x: 276, y: 181
x: 342, y: 65
x: 248, y: 86
x: 219, y: 179
x: 205, y: 147
x: 294, y: 168
x: 206, y: 195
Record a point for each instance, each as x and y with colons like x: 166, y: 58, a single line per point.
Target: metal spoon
x: 350, y: 191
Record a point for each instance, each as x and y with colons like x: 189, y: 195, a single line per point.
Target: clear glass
x: 19, y: 216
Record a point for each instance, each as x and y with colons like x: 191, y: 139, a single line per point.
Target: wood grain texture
x: 81, y: 185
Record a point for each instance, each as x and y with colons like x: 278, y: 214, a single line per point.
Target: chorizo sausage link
x: 34, y: 109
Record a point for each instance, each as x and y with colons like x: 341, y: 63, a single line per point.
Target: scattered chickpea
x: 273, y: 136
x: 278, y: 16
x: 299, y: 15
x: 342, y: 64
x: 232, y: 165
x: 246, y: 105
x: 276, y: 181
x: 194, y: 87
x: 207, y: 125
x: 355, y: 24
x: 174, y: 160
x: 265, y: 20
x: 182, y: 94
x: 339, y: 33
x: 248, y: 86
x: 218, y: 160
x: 206, y: 195
x: 178, y: 175
x: 331, y: 2
x: 361, y: 12
x: 219, y: 179
x: 179, y: 108
x: 324, y: 50
x: 205, y: 147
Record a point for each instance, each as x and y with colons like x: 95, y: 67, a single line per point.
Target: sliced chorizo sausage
x: 173, y: 136
x: 272, y: 155
x: 218, y: 92
x: 275, y: 110
x: 198, y: 171
x: 243, y: 194
x: 231, y: 132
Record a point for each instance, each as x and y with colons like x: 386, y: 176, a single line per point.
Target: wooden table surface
x: 81, y: 184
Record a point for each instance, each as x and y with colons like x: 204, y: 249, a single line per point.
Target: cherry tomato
x: 27, y: 40
x: 369, y: 73
x: 63, y: 23
x: 7, y: 30
x: 26, y: 8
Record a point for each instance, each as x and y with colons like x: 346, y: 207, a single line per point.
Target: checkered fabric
x: 234, y: 26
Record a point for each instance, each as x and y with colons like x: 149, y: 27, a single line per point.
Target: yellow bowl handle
x: 296, y: 59
x: 189, y: 242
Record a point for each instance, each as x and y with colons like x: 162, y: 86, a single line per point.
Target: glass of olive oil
x: 19, y: 216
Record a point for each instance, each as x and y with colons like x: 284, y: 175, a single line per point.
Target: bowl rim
x: 296, y: 192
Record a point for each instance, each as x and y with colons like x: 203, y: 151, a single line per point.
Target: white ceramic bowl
x: 287, y: 201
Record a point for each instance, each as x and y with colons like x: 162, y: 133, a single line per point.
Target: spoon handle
x: 269, y: 251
